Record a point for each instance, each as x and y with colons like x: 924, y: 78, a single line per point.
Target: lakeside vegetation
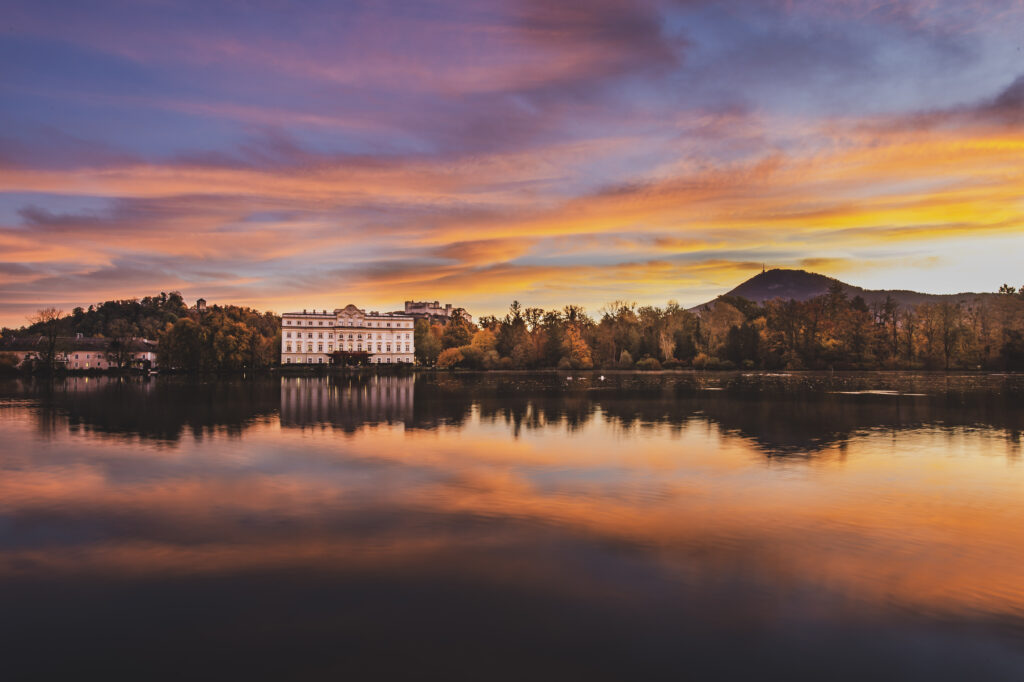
x: 219, y: 338
x: 831, y: 331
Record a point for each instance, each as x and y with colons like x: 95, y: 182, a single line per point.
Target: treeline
x: 221, y: 339
x: 831, y: 331
x: 217, y: 339
x: 145, y: 318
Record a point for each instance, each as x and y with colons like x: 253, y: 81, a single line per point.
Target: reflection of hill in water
x: 798, y: 414
x: 781, y: 414
x: 155, y: 409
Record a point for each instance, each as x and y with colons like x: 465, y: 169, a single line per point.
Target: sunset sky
x: 288, y: 156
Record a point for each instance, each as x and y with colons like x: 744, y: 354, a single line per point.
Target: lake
x: 511, y: 526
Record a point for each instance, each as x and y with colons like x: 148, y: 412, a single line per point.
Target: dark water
x: 511, y: 527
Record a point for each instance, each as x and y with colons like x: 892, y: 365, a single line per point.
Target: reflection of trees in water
x: 781, y: 414
x: 798, y: 414
x: 157, y: 409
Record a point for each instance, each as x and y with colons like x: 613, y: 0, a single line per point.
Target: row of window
x: 320, y: 323
x: 88, y: 356
x: 359, y: 347
x: 320, y: 360
x: 330, y: 335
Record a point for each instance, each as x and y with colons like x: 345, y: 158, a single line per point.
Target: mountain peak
x: 785, y: 284
x: 800, y: 285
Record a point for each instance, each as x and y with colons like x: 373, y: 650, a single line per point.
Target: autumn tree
x: 575, y: 348
x: 427, y: 341
x: 457, y: 332
x: 48, y: 321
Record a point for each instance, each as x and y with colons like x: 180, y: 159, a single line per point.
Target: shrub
x: 564, y: 363
x: 626, y: 360
x: 449, y: 358
x: 672, y: 363
x: 8, y: 363
x: 705, y: 361
x: 472, y: 357
x: 648, y: 364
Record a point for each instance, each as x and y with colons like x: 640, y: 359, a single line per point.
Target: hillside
x: 801, y: 285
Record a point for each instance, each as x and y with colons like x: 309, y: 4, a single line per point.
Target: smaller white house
x: 82, y: 352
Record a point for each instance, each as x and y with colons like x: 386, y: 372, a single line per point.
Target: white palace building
x: 311, y: 336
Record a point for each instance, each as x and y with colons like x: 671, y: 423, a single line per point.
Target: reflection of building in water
x: 346, y: 402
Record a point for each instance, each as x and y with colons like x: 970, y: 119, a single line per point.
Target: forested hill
x: 146, y: 317
x: 800, y: 285
x: 219, y: 338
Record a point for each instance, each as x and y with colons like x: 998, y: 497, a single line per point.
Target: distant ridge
x: 801, y: 285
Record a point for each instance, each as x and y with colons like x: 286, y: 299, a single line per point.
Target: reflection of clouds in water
x: 648, y: 505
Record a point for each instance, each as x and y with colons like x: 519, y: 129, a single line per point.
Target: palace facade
x: 310, y: 337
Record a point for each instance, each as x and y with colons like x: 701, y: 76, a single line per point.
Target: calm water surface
x: 514, y: 526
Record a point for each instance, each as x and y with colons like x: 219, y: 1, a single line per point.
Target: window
x: 359, y: 346
x: 320, y: 360
x: 321, y: 323
x: 289, y: 348
x: 288, y: 335
x: 76, y: 356
x: 389, y: 324
x: 389, y: 347
x: 330, y: 335
x: 321, y: 335
x: 309, y: 322
x: 330, y: 347
x: 309, y: 335
x: 288, y: 360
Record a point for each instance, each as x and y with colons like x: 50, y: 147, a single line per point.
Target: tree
x: 576, y: 349
x: 119, y: 349
x: 428, y: 343
x: 449, y: 358
x: 350, y: 358
x: 484, y: 341
x: 456, y: 333
x: 48, y: 322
